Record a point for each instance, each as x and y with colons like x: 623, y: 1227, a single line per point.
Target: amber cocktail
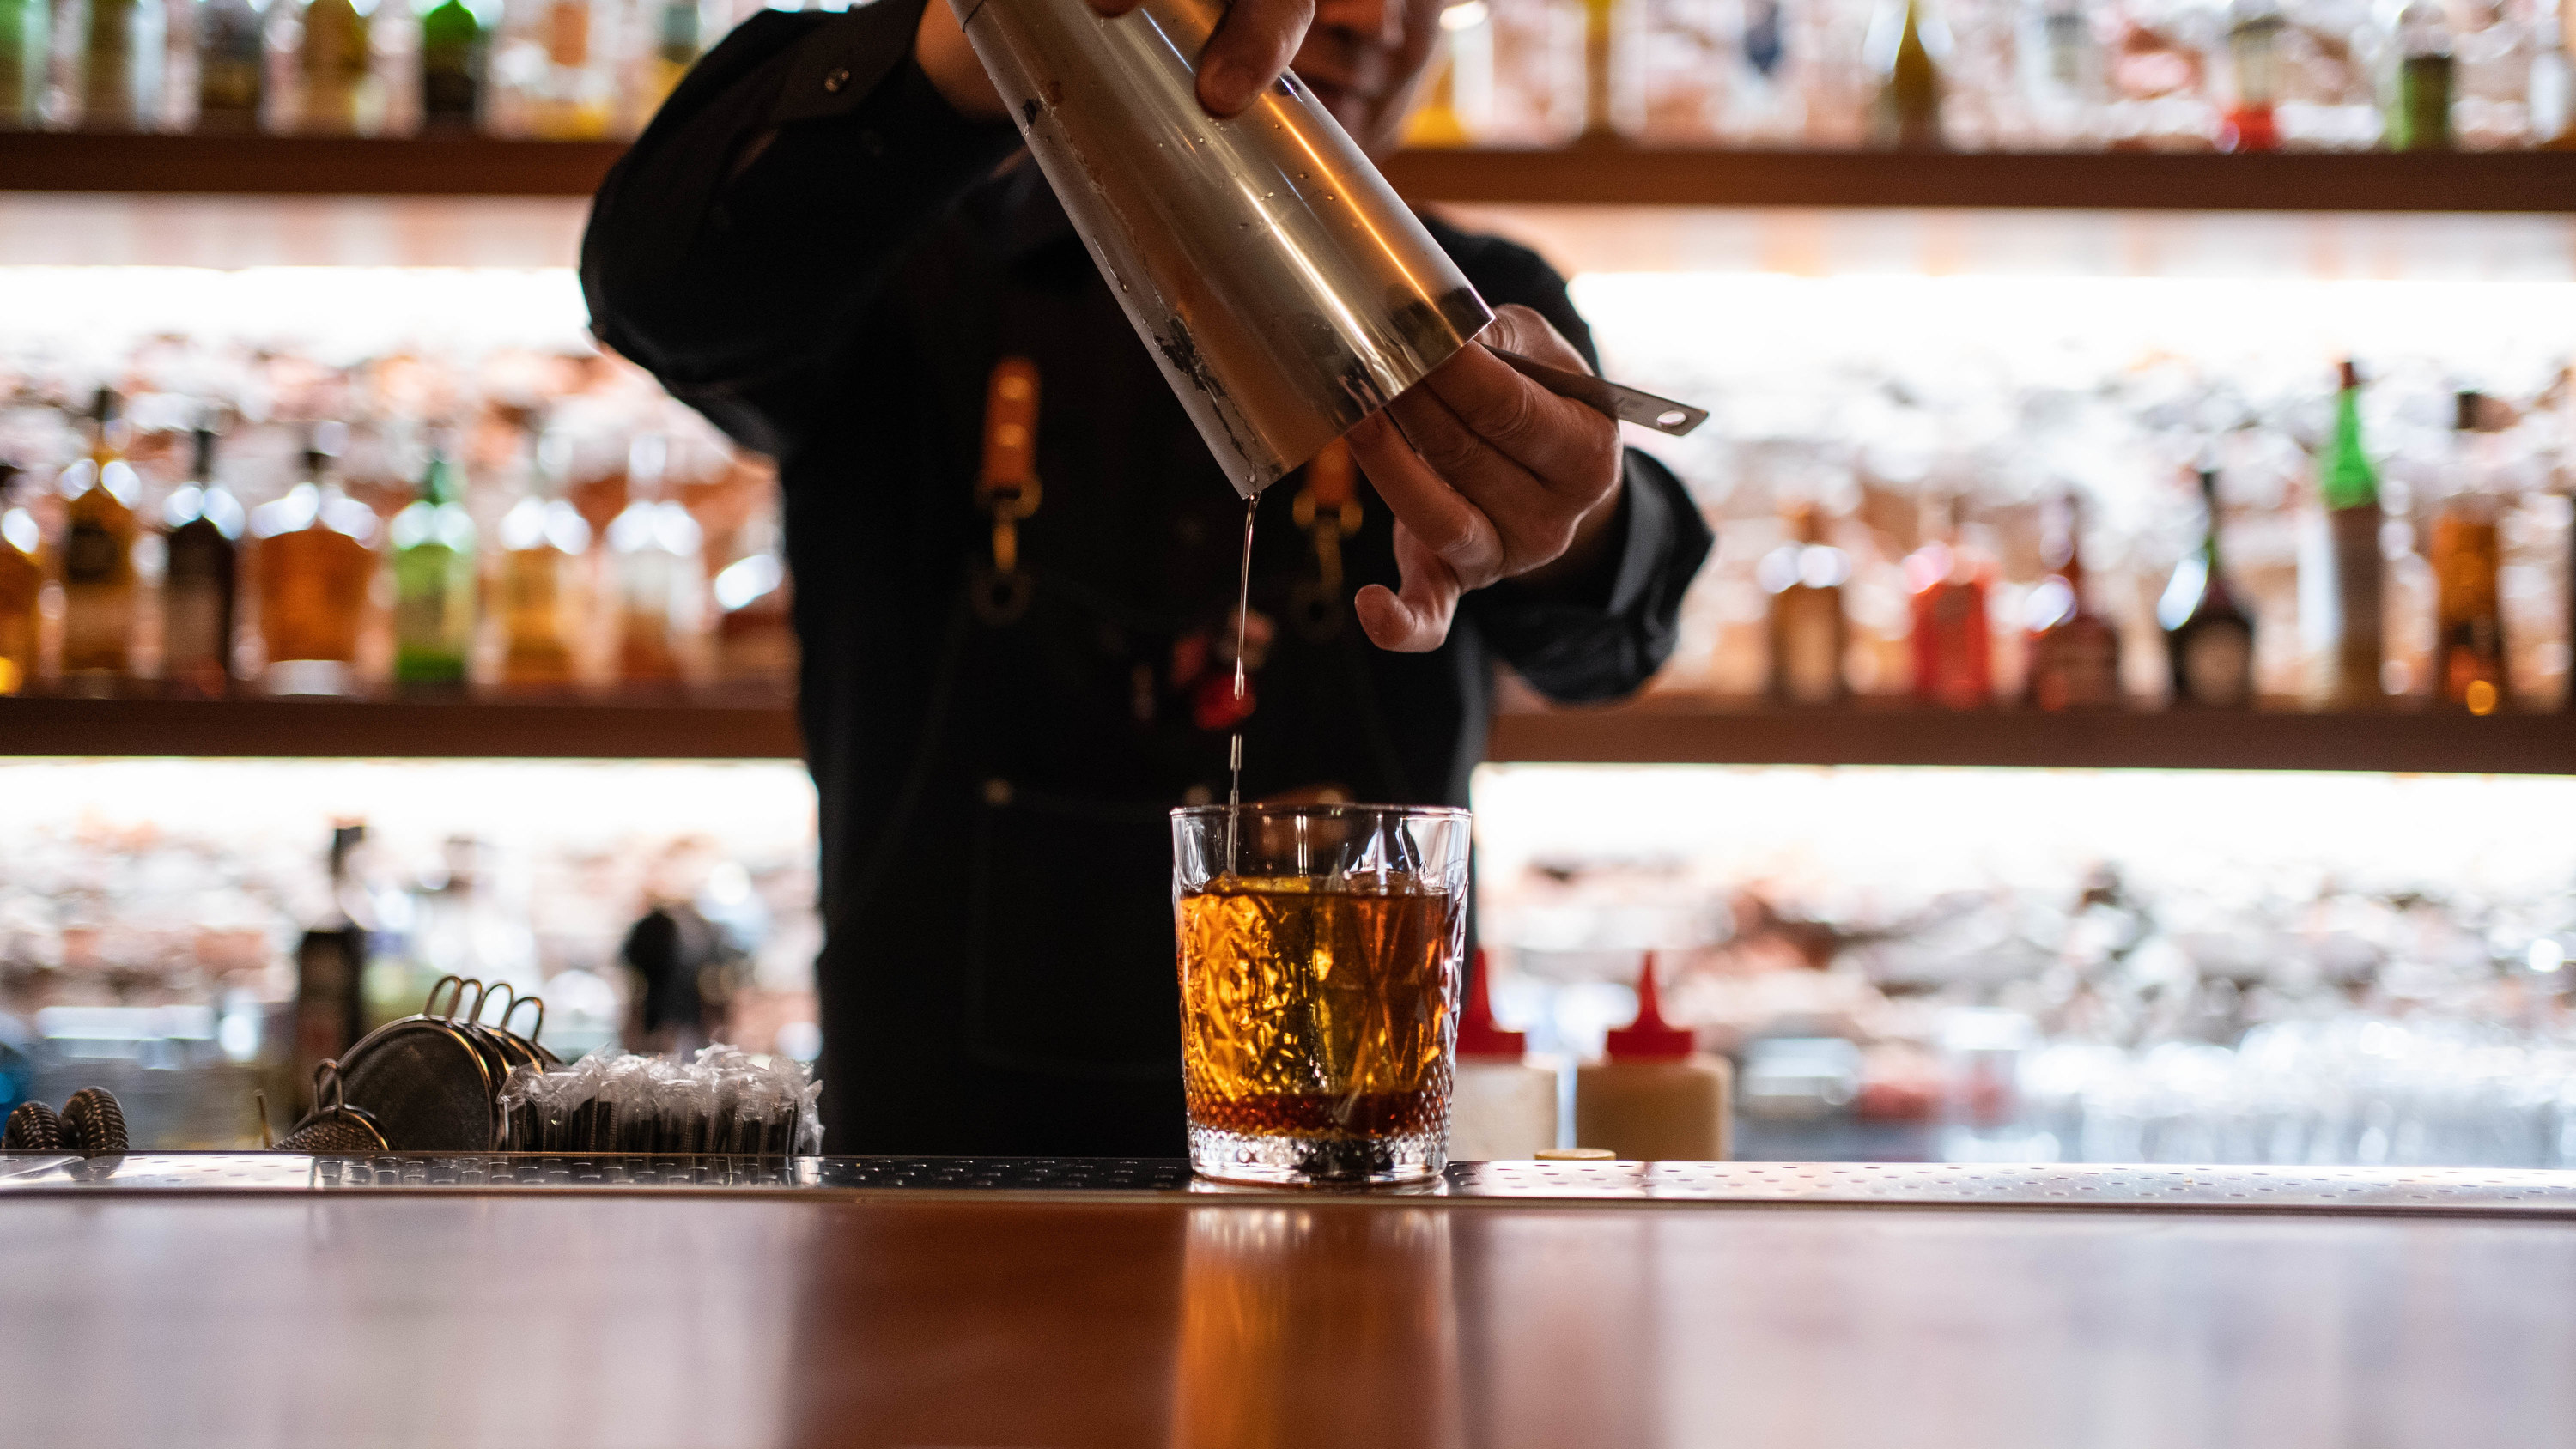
x: 1319, y: 956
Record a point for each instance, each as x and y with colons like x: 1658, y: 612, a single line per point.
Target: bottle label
x: 2218, y: 666
x: 90, y: 555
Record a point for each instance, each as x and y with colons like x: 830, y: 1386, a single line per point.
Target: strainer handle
x: 326, y: 1080
x: 462, y: 1013
x: 519, y: 1001
x: 429, y: 1003
x: 485, y: 1000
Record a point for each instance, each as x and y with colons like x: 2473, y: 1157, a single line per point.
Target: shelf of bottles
x: 2183, y: 103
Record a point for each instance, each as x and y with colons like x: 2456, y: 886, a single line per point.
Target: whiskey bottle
x: 22, y: 579
x: 120, y: 62
x: 543, y: 539
x: 232, y: 66
x: 316, y: 560
x: 200, y: 522
x: 2209, y: 639
x: 2340, y: 572
x: 653, y: 549
x: 1808, y: 630
x: 335, y: 71
x: 1906, y: 48
x: 2074, y: 652
x: 100, y: 589
x: 2469, y: 655
x: 755, y: 638
x: 1952, y: 642
x: 433, y: 543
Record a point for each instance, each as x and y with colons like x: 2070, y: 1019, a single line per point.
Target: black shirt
x: 813, y: 249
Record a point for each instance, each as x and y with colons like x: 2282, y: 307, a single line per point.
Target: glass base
x: 1315, y: 1161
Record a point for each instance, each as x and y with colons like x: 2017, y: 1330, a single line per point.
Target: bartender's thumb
x: 1252, y: 45
x: 1416, y: 619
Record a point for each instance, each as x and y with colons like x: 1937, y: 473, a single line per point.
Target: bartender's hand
x: 1490, y: 476
x: 1249, y: 50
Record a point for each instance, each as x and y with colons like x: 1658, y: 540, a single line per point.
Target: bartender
x: 827, y: 241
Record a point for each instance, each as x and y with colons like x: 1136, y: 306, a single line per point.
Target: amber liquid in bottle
x: 543, y: 539
x: 99, y: 585
x: 22, y: 577
x: 313, y: 579
x: 1315, y: 1012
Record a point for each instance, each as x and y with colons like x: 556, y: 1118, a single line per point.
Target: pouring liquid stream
x: 1242, y: 619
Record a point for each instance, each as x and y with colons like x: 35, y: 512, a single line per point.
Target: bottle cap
x: 1479, y: 1039
x: 1649, y: 1038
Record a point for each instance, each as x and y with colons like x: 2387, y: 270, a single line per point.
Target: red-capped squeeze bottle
x: 1654, y: 1096
x: 1504, y: 1103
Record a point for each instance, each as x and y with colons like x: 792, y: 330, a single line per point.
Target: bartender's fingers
x: 1252, y: 45
x: 1571, y: 448
x: 1416, y: 620
x: 1440, y: 517
x: 1514, y: 500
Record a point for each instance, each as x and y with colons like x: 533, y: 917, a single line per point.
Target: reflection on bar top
x: 1777, y: 1184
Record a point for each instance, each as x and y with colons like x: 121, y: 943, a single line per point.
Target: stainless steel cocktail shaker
x: 1282, y: 287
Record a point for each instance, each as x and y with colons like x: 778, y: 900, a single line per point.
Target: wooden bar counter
x: 263, y: 1300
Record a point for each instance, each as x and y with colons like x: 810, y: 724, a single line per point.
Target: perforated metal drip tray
x: 2527, y: 1193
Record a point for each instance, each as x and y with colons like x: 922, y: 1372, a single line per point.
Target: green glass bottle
x: 433, y: 542
x: 453, y: 48
x: 2421, y: 119
x: 2340, y: 584
x: 24, y: 36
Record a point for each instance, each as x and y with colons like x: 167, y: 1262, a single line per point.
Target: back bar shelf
x: 2500, y: 181
x: 1658, y: 731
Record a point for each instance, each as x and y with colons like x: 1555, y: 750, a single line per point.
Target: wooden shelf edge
x: 1658, y: 732
x: 397, y: 729
x: 2495, y: 181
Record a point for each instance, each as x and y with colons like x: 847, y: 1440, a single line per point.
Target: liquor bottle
x: 754, y: 635
x: 2062, y: 69
x: 1808, y: 630
x: 99, y: 585
x: 335, y: 72
x: 315, y: 562
x: 331, y: 964
x: 1906, y: 48
x: 232, y: 66
x: 433, y: 542
x: 2074, y: 652
x: 453, y: 52
x: 26, y: 48
x: 2340, y: 572
x: 2421, y: 118
x: 1436, y: 122
x: 2468, y: 640
x: 2254, y: 29
x: 1952, y: 643
x: 123, y: 46
x: 2209, y: 639
x: 201, y: 520
x: 1611, y: 98
x: 542, y: 541
x: 653, y: 548
x: 557, y: 81
x: 22, y: 580
x: 679, y: 37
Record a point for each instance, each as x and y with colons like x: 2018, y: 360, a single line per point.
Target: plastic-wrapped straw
x: 720, y: 1101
